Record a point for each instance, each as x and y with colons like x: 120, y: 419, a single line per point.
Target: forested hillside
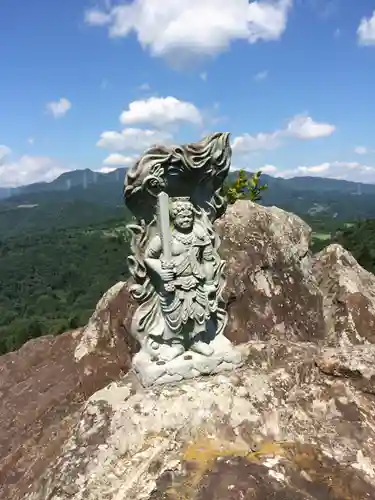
x: 359, y: 239
x: 60, y: 250
x: 24, y: 219
x: 51, y: 281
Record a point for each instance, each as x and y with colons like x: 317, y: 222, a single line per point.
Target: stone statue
x: 176, y: 194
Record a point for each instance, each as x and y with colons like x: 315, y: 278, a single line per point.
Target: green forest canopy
x: 51, y: 280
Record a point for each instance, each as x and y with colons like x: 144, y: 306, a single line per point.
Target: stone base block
x: 152, y: 371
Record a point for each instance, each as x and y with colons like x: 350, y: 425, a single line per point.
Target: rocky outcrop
x: 43, y: 385
x: 277, y: 428
x: 270, y: 289
x: 348, y: 296
x: 296, y: 421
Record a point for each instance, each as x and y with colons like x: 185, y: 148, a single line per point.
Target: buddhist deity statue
x: 175, y: 194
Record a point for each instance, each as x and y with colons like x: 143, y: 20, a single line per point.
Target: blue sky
x: 87, y: 84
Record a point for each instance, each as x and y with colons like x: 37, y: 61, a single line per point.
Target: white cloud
x: 106, y: 170
x: 193, y: 27
x: 59, y: 108
x: 300, y: 127
x: 29, y: 169
x: 268, y: 169
x: 247, y: 143
x: 117, y: 159
x: 304, y: 127
x: 134, y: 139
x: 96, y: 17
x: 366, y: 30
x: 351, y: 171
x: 4, y: 153
x: 315, y: 169
x: 160, y: 111
x: 361, y: 150
x: 262, y: 75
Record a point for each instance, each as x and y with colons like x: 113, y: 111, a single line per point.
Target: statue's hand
x: 167, y: 271
x: 208, y: 253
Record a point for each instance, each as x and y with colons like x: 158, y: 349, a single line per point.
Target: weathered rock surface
x: 277, y: 428
x: 349, y: 296
x: 271, y: 290
x: 44, y: 384
x: 297, y: 421
x: 355, y: 362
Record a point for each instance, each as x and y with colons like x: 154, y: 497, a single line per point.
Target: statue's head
x: 182, y: 213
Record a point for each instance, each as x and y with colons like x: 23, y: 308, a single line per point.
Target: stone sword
x: 165, y: 234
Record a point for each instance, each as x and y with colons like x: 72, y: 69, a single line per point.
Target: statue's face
x: 183, y: 215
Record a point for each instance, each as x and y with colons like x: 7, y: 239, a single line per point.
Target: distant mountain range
x: 85, y: 178
x: 72, y: 194
x: 66, y: 181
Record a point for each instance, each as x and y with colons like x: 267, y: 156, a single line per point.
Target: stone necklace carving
x: 185, y: 239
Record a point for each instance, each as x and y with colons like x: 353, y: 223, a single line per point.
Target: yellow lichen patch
x: 200, y: 457
x: 203, y: 452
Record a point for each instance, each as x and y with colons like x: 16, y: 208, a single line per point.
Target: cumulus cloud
x: 160, y: 112
x: 117, y: 159
x: 133, y: 139
x: 366, y: 30
x: 304, y: 127
x: 300, y: 127
x: 193, y: 27
x: 58, y: 108
x: 29, y: 169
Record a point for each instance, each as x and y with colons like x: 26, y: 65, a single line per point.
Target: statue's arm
x: 153, y: 253
x: 154, y: 248
x: 208, y: 262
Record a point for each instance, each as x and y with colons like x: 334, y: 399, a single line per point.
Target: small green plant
x: 245, y: 187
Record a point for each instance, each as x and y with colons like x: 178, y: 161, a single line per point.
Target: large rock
x: 270, y: 288
x: 296, y: 421
x: 277, y: 428
x: 349, y: 296
x: 44, y: 384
